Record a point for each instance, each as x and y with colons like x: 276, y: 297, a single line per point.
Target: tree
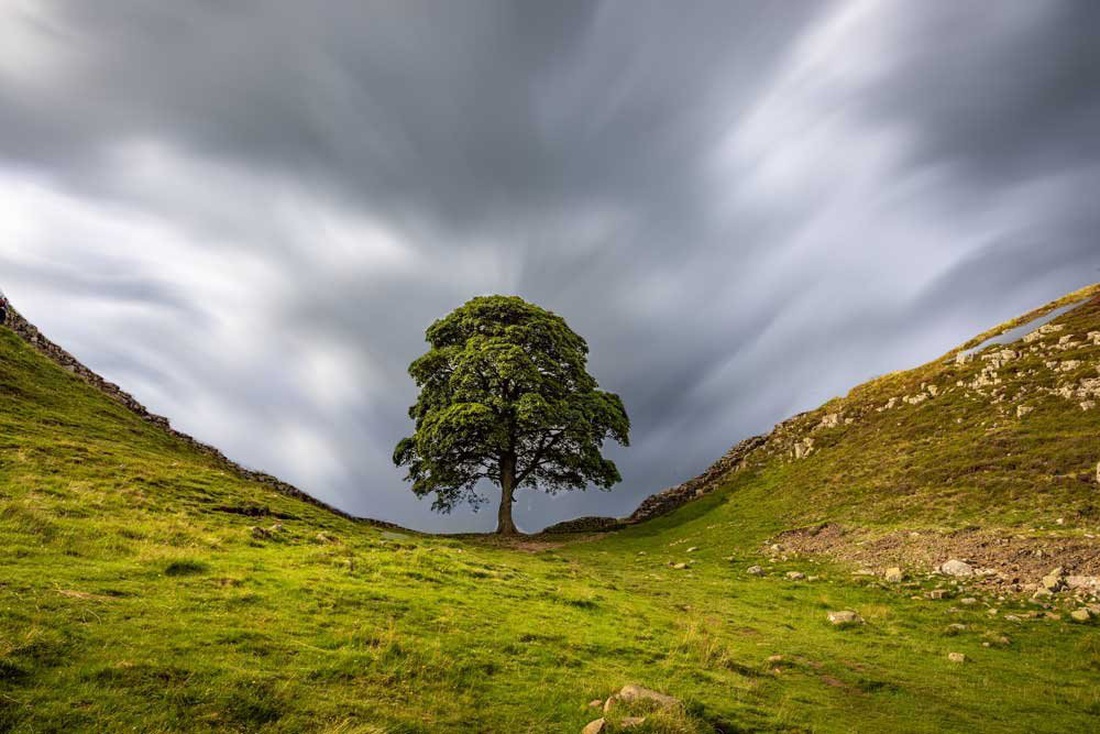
x: 505, y: 395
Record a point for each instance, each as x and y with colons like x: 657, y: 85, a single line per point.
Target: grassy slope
x: 130, y: 599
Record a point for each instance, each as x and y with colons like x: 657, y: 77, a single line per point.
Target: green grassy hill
x: 145, y: 585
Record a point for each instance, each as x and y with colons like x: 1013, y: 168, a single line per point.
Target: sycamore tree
x: 505, y: 395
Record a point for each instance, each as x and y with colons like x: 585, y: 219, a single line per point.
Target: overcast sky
x: 246, y: 213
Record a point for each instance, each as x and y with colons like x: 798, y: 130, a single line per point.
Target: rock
x: 863, y: 572
x: 680, y: 566
x: 599, y: 726
x: 956, y: 657
x: 894, y: 575
x: 775, y: 659
x: 1055, y: 580
x: 968, y: 601
x: 692, y: 549
x: 844, y: 618
x: 955, y: 567
x: 1042, y: 594
x: 1080, y: 615
x: 956, y: 628
x: 610, y: 703
x: 1022, y: 410
x: 632, y: 692
x: 795, y: 575
x: 754, y: 571
x: 629, y: 722
x: 595, y: 703
x: 937, y: 594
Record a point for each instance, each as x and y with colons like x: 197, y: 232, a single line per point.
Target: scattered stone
x: 1012, y: 618
x: 1022, y: 410
x: 1042, y: 595
x: 680, y: 566
x: 1055, y: 580
x: 610, y: 704
x: 863, y: 572
x: 956, y: 657
x: 631, y: 692
x: 955, y: 567
x: 599, y: 726
x: 692, y: 549
x: 755, y: 571
x: 957, y: 627
x: 796, y: 575
x: 595, y: 703
x: 937, y: 594
x: 844, y: 618
x: 1080, y: 615
x: 968, y: 601
x: 894, y: 575
x: 775, y: 659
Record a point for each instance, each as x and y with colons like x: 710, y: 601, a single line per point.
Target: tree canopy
x: 505, y: 395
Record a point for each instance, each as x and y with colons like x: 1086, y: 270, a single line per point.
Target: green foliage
x: 505, y: 396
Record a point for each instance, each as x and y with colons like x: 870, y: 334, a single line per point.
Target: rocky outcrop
x: 29, y: 333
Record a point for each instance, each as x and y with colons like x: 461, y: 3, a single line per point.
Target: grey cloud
x: 745, y: 208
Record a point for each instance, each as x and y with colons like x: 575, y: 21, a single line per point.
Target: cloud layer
x: 247, y: 213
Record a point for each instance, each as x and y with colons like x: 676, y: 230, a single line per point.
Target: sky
x: 247, y: 213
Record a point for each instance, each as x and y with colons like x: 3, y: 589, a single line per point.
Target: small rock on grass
x: 955, y: 567
x: 680, y: 566
x: 633, y: 692
x: 956, y: 657
x: 754, y: 571
x: 595, y: 703
x: 894, y: 575
x: 1080, y: 615
x: 599, y: 726
x: 844, y: 618
x: 795, y: 575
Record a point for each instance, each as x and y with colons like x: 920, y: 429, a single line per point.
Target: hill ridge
x: 32, y: 335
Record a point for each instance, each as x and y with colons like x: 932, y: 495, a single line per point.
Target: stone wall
x: 665, y: 502
x: 13, y: 320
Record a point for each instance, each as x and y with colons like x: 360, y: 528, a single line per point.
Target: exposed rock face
x: 29, y: 333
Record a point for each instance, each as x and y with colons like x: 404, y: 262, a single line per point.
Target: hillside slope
x: 146, y: 586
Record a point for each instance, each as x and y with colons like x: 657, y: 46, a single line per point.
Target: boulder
x: 1080, y: 615
x: 955, y: 567
x: 844, y: 618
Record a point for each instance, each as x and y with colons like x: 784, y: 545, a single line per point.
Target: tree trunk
x: 505, y: 525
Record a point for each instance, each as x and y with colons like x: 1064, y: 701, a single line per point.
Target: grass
x: 135, y: 594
